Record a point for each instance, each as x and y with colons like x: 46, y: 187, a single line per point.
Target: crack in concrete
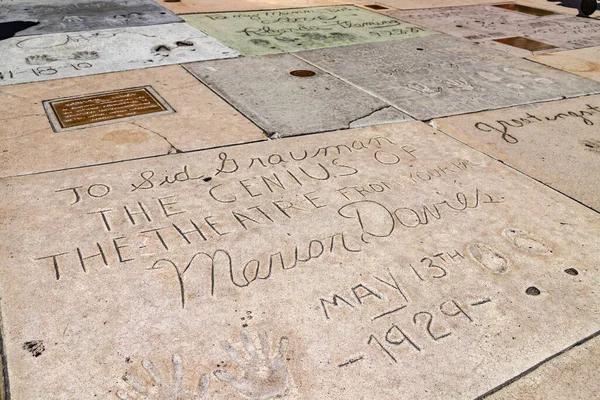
x: 368, y: 115
x: 172, y: 149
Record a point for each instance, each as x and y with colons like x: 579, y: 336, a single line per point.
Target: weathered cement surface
x: 197, y: 6
x: 483, y: 23
x: 574, y: 374
x: 440, y: 75
x: 279, y: 31
x: 263, y: 89
x: 202, y: 120
x: 58, y: 16
x: 583, y: 62
x: 557, y: 143
x: 557, y: 6
x: 55, y: 56
x: 112, y: 267
x: 411, y: 4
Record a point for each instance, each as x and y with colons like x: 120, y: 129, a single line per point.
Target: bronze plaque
x: 525, y: 44
x: 101, y: 108
x: 525, y: 9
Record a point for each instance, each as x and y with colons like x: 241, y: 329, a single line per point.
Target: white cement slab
x: 440, y: 75
x: 557, y: 143
x: 55, y: 56
x: 266, y: 91
x: 583, y: 62
x: 59, y: 16
x: 387, y: 262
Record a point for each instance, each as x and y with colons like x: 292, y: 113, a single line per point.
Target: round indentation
x: 303, y: 73
x: 572, y: 271
x: 533, y: 291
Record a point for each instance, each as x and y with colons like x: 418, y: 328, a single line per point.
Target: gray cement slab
x: 60, y: 16
x: 65, y: 55
x: 557, y: 143
x: 441, y: 75
x: 288, y: 30
x: 386, y: 262
x: 265, y: 90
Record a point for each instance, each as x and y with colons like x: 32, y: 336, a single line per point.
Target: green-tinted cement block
x: 281, y: 31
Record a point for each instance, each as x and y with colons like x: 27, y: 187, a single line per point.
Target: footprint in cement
x: 488, y: 257
x: 10, y: 29
x: 39, y: 60
x: 525, y: 242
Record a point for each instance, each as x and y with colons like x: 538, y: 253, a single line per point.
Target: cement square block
x: 282, y: 31
x: 201, y: 120
x: 60, y: 16
x: 440, y: 75
x: 200, y: 6
x: 583, y: 62
x: 556, y: 143
x: 65, y: 55
x: 489, y: 24
x: 286, y: 96
x: 389, y: 262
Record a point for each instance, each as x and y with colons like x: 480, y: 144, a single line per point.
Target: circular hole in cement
x: 572, y: 271
x: 303, y: 73
x: 533, y: 291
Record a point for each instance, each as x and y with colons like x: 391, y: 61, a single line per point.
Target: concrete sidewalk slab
x: 491, y: 25
x: 286, y: 96
x: 583, y: 62
x: 55, y: 56
x: 556, y: 143
x: 282, y: 31
x: 412, y: 5
x: 573, y: 374
x: 440, y: 75
x: 60, y: 16
x: 201, y: 120
x: 202, y: 6
x: 358, y: 253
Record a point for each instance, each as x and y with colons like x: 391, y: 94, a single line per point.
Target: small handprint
x: 85, y: 55
x: 264, y: 376
x: 159, y: 389
x: 39, y: 59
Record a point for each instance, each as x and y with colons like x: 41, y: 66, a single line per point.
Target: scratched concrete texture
x: 58, y: 16
x: 583, y: 62
x: 25, y: 131
x: 64, y: 55
x: 264, y: 90
x: 282, y: 31
x: 573, y: 374
x: 485, y: 23
x: 556, y: 143
x: 430, y: 247
x: 440, y: 75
